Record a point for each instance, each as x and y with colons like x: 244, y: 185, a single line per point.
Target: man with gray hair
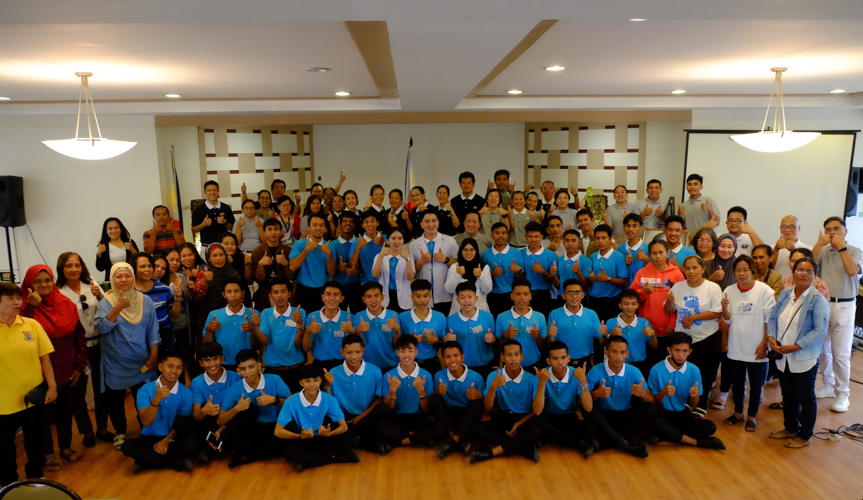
x: 787, y: 243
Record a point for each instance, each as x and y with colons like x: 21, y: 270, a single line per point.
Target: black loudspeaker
x: 12, y: 201
x: 853, y: 189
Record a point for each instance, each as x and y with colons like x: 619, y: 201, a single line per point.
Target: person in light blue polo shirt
x: 424, y: 323
x: 506, y: 263
x: 159, y: 403
x: 368, y: 247
x: 458, y: 399
x: 572, y: 265
x: 609, y: 276
x: 677, y: 250
x: 634, y: 249
x: 540, y: 267
x: 250, y: 410
x: 232, y: 326
x: 674, y: 385
x: 378, y: 326
x: 281, y: 333
x: 621, y: 407
x: 343, y: 249
x: 313, y: 426
x: 473, y: 329
x: 524, y: 324
x: 560, y: 389
x: 511, y: 390
x: 311, y: 261
x: 574, y: 325
x: 325, y: 329
x: 638, y: 332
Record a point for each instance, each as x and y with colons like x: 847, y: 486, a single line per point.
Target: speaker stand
x: 9, y: 253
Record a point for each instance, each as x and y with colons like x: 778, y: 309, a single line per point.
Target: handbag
x: 776, y: 356
x: 37, y: 395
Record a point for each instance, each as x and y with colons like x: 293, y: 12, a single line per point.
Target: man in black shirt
x: 212, y: 218
x: 467, y: 201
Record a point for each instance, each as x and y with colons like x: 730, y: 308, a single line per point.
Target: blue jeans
x: 800, y: 406
x: 757, y: 377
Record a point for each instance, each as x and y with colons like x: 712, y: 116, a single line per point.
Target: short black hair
x: 233, y: 281
x: 317, y: 215
x: 227, y: 234
x: 211, y: 183
x: 657, y: 241
x: 840, y: 220
x: 281, y: 280
x: 627, y: 293
x: 372, y: 285
x: 465, y: 286
x: 572, y: 231
x: 353, y: 338
x: 533, y: 227
x: 603, y: 228
x: 583, y: 211
x: 633, y: 218
x: 374, y: 215
x: 767, y: 248
x: 406, y: 340
x: 245, y: 355
x: 160, y: 206
x: 420, y: 284
x: 466, y: 175
x: 520, y: 282
x: 311, y: 370
x: 675, y: 338
x: 430, y: 212
x: 674, y: 218
x: 272, y: 221
x: 556, y: 345
x: 695, y: 177
x: 333, y: 284
x: 376, y: 186
x: 744, y: 258
x: 553, y: 217
x: 737, y: 209
x: 510, y: 342
x: 654, y: 181
x: 572, y: 281
x: 399, y: 191
x: 253, y: 202
x: 501, y: 172
x: 164, y: 355
x: 616, y: 338
x: 276, y: 181
x: 210, y: 350
x: 451, y: 344
x: 347, y: 216
x: 498, y: 225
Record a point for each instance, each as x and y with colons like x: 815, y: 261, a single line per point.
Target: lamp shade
x: 89, y: 149
x: 774, y: 141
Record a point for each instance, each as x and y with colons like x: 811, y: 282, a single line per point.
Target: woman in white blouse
x: 394, y: 272
x: 469, y: 268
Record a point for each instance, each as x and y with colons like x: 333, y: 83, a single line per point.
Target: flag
x: 174, y: 196
x: 409, y: 176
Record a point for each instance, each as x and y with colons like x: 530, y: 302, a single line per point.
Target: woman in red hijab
x: 59, y: 317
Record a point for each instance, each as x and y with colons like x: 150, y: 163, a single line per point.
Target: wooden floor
x: 753, y: 467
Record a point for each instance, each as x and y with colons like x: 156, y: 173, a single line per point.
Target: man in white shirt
x: 746, y: 237
x: 787, y: 243
x: 432, y: 254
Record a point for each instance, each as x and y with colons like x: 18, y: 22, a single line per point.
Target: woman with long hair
x: 115, y: 245
x: 394, y: 272
x: 314, y: 205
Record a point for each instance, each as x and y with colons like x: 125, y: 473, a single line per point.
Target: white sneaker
x: 840, y: 404
x: 825, y: 391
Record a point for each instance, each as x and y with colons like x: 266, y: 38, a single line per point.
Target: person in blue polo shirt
x: 458, y: 399
x: 572, y: 265
x: 325, y: 329
x: 232, y: 326
x: 573, y: 324
x: 522, y: 323
x: 356, y: 385
x: 250, y: 410
x: 506, y: 264
x: 311, y: 261
x: 511, y: 389
x: 424, y: 323
x: 561, y: 388
x: 368, y: 247
x: 609, y: 276
x: 677, y: 250
x: 674, y: 384
x: 281, y: 335
x: 635, y: 249
x: 378, y: 327
x: 473, y: 329
x: 159, y: 403
x: 621, y: 407
x: 343, y: 249
x: 638, y: 332
x: 314, y: 426
x: 407, y: 387
x: 540, y: 267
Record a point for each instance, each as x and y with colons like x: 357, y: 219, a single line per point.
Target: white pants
x: 836, y: 362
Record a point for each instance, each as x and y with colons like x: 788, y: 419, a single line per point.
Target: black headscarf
x: 712, y: 265
x: 469, y: 265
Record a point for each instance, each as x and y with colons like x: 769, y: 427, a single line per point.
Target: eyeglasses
x: 705, y: 240
x: 804, y: 272
x: 572, y: 293
x: 735, y: 221
x: 787, y: 227
x: 84, y: 304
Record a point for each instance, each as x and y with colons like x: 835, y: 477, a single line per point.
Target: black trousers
x: 290, y: 376
x: 353, y: 298
x: 566, y: 430
x: 644, y: 367
x: 494, y: 431
x: 431, y: 365
x: 757, y: 377
x: 329, y: 364
x: 183, y: 344
x: 256, y: 440
x: 541, y: 302
x: 30, y: 421
x: 606, y: 308
x: 721, y: 362
x: 141, y: 450
x: 94, y: 354
x: 443, y: 307
x: 456, y: 420
x: 398, y: 426
x: 800, y: 408
x: 394, y: 301
x: 70, y: 403
x: 671, y: 426
x: 187, y: 426
x: 702, y: 356
x: 318, y: 450
x: 660, y: 353
x: 309, y: 298
x: 612, y: 426
x: 365, y: 428
x: 499, y: 303
x: 168, y: 340
x: 115, y: 400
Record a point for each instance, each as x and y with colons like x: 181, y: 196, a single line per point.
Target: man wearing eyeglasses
x: 839, y: 265
x: 746, y: 237
x: 787, y: 243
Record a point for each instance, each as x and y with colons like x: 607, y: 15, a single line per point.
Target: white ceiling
x: 224, y: 49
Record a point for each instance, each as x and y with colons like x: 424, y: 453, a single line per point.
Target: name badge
x: 527, y: 330
x: 385, y: 328
x: 428, y: 331
x: 338, y: 333
x: 291, y: 323
x: 476, y: 329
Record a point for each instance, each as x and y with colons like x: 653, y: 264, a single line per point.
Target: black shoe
x: 652, y: 439
x: 204, y: 457
x: 464, y: 446
x: 137, y: 467
x: 539, y: 444
x: 183, y: 465
x: 586, y: 448
x: 481, y: 454
x: 238, y: 460
x: 633, y: 448
x: 710, y: 443
x: 89, y: 441
x: 300, y: 467
x: 530, y: 452
x: 348, y: 458
x: 446, y: 448
x: 383, y: 447
x: 106, y: 436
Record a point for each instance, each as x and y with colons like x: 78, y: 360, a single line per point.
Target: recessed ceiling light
x: 174, y: 96
x: 837, y: 91
x: 555, y: 68
x: 5, y: 98
x: 514, y: 92
x: 678, y: 91
x: 317, y: 70
x: 638, y: 20
x: 342, y: 94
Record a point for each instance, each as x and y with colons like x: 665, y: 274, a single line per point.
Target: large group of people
x: 306, y: 331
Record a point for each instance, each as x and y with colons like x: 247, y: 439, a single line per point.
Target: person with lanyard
x: 698, y: 305
x: 469, y: 269
x: 719, y: 270
x: 212, y: 218
x: 473, y: 230
x: 130, y: 341
x: 25, y: 364
x: 72, y: 278
x: 311, y: 261
x: 840, y: 265
x: 651, y: 208
x: 508, y: 264
x: 161, y: 295
x: 288, y: 220
x: 343, y: 249
x: 789, y: 227
x: 762, y: 256
x: 468, y: 201
x: 449, y: 220
x: 433, y: 253
x: 210, y: 283
x: 617, y: 211
x: 395, y: 271
x: 114, y: 247
x: 795, y: 333
x: 59, y: 318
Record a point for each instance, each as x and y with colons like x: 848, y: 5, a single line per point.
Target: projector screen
x: 810, y: 182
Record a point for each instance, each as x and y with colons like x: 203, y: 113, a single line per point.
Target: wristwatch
x: 170, y: 440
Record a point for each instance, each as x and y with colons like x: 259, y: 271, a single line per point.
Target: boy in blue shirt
x: 281, y: 335
x: 159, y: 403
x: 637, y: 331
x: 561, y: 388
x: 408, y: 386
x: 347, y: 274
x: 424, y: 323
x: 609, y: 276
x: 522, y: 323
x: 312, y: 263
x: 674, y: 384
x: 677, y: 250
x: 357, y: 386
x: 621, y: 405
x: 232, y: 326
x: 512, y: 390
x: 540, y: 267
x: 574, y: 325
x: 368, y: 247
x: 379, y: 327
x: 573, y: 265
x: 457, y: 401
x: 325, y: 328
x: 635, y: 249
x: 506, y: 264
x: 314, y: 426
x: 473, y: 329
x: 250, y: 410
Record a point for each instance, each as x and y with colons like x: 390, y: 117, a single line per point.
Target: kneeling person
x: 458, y: 399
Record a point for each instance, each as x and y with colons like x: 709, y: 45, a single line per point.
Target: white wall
x: 666, y: 153
x: 67, y: 200
x: 187, y: 160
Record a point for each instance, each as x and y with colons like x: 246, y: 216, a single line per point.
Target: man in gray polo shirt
x: 839, y: 264
x: 650, y: 208
x: 698, y: 210
x: 471, y: 230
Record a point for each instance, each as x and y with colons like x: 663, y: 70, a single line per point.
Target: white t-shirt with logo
x: 750, y: 311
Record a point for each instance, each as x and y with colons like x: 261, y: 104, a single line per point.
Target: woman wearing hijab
x: 469, y: 269
x: 210, y: 282
x: 59, y: 317
x: 720, y: 271
x: 130, y: 341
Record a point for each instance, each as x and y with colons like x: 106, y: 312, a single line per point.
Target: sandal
x: 717, y: 404
x: 751, y: 426
x: 119, y: 440
x: 699, y: 413
x: 51, y: 464
x: 74, y: 456
x: 732, y: 420
x: 776, y: 406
